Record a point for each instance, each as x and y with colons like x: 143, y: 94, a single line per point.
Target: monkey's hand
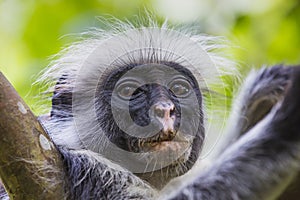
x: 262, y: 163
x: 260, y: 92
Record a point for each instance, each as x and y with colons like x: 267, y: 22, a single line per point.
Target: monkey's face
x: 154, y: 108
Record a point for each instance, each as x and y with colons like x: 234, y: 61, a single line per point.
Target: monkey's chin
x: 176, y: 150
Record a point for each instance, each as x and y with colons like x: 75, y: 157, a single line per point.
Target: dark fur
x: 3, y: 194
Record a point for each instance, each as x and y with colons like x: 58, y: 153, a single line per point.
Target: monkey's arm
x: 261, y: 163
x: 90, y: 176
x: 261, y: 90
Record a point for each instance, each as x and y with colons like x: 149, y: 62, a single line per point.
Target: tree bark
x: 30, y: 165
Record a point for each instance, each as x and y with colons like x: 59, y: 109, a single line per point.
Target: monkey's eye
x: 126, y: 90
x: 181, y: 88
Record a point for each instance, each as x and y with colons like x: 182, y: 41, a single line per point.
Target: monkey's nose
x: 164, y: 110
x: 165, y: 113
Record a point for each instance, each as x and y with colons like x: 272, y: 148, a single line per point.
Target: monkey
x: 128, y: 117
x: 152, y: 87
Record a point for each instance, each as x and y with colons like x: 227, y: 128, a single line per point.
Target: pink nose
x: 165, y: 113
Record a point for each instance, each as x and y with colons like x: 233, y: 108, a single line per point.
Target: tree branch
x: 30, y: 165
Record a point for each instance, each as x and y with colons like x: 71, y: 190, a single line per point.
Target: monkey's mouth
x: 163, y: 141
x: 156, y: 139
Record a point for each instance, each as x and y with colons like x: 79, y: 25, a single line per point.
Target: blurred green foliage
x: 31, y: 31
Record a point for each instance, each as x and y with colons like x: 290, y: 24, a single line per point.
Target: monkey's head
x: 155, y: 111
x: 136, y: 99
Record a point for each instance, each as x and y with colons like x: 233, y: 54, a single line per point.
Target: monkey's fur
x: 257, y: 160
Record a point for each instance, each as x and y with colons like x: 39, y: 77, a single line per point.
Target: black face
x: 161, y: 109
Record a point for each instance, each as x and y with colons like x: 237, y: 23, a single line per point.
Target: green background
x: 261, y: 32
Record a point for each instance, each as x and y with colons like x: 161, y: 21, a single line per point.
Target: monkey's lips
x: 170, y: 141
